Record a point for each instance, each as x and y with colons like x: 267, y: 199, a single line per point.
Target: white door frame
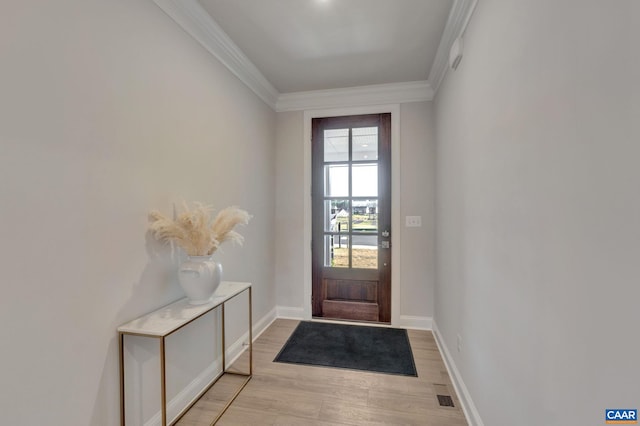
x: 394, y: 109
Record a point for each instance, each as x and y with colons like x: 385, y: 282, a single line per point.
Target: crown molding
x: 457, y: 22
x: 395, y: 93
x: 192, y: 17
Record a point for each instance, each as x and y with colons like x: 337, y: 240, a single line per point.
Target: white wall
x: 417, y: 176
x: 417, y: 186
x: 538, y: 213
x: 289, y: 226
x: 108, y: 110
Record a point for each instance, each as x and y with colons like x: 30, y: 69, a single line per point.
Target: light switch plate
x: 413, y: 221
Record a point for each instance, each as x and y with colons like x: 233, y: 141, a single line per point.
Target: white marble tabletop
x: 164, y: 321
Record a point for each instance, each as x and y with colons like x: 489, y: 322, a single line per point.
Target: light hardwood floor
x: 288, y: 394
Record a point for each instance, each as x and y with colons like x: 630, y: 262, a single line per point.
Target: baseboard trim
x: 264, y: 323
x: 468, y: 407
x: 289, y: 312
x: 414, y: 322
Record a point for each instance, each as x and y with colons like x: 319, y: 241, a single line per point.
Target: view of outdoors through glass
x: 351, y: 198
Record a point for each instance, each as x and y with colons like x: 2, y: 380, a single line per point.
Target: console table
x: 171, y: 318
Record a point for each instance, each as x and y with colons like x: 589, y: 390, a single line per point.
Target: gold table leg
x: 121, y: 357
x: 224, y: 349
x: 250, y: 333
x: 224, y: 346
x: 163, y: 383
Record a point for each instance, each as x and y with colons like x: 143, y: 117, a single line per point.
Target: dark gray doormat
x: 379, y: 349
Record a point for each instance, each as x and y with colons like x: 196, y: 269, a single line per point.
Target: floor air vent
x: 445, y: 401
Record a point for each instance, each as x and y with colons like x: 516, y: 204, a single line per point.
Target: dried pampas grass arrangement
x: 195, y: 231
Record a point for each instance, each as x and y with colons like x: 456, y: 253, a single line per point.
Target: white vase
x: 199, y: 277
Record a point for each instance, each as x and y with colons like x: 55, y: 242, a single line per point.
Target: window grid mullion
x: 350, y: 192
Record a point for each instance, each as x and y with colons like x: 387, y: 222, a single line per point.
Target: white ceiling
x: 316, y: 54
x: 304, y: 45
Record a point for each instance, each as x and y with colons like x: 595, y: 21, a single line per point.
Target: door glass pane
x: 365, y: 143
x: 336, y: 145
x: 365, y: 216
x: 336, y: 181
x: 364, y: 251
x: 365, y: 180
x: 336, y: 216
x: 336, y: 251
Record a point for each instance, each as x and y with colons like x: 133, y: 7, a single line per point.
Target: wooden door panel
x: 364, y: 291
x: 358, y: 311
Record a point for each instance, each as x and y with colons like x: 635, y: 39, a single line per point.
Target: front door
x: 351, y: 217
